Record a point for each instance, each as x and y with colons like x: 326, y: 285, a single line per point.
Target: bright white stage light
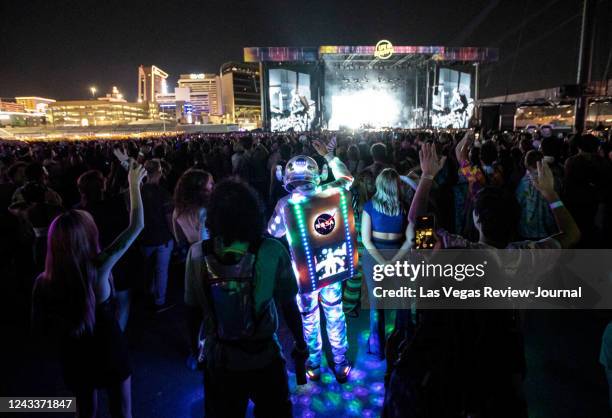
x: 367, y: 107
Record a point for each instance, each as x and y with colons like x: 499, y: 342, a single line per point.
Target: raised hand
x: 463, y: 147
x: 136, y: 174
x: 544, y: 181
x: 120, y: 154
x: 430, y: 162
x: 320, y: 147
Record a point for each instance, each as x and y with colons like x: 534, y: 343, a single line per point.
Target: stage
x: 356, y: 87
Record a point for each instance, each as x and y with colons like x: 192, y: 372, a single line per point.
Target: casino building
x: 203, y: 88
x: 373, y: 86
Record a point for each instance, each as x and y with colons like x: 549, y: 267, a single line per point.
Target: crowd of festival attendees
x: 84, y: 224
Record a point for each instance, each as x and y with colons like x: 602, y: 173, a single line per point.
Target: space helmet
x: 301, y: 171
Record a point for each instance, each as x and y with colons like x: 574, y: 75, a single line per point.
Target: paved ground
x: 564, y: 378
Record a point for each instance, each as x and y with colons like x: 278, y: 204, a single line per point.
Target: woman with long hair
x: 110, y: 214
x: 76, y: 292
x: 191, y: 197
x: 385, y: 235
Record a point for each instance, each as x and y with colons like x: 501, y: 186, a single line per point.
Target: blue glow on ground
x: 564, y: 382
x: 362, y: 395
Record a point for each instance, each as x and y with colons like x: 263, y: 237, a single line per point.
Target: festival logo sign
x: 325, y: 223
x: 384, y: 50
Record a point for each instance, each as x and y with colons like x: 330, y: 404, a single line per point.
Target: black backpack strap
x: 210, y: 309
x: 254, y: 249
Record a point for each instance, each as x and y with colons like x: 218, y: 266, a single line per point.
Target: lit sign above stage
x: 386, y: 49
x: 383, y: 50
x: 196, y: 76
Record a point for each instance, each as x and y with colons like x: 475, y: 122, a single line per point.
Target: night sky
x: 58, y: 48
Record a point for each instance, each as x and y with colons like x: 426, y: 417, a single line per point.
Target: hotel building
x: 198, y: 84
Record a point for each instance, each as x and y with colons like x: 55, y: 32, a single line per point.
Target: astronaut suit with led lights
x: 301, y: 179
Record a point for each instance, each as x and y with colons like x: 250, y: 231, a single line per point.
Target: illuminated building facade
x: 167, y: 106
x: 14, y: 112
x: 200, y: 101
x: 97, y: 112
x: 11, y: 106
x: 151, y: 82
x: 184, y: 106
x: 17, y: 119
x: 34, y: 104
x: 241, y: 87
x: 204, y: 83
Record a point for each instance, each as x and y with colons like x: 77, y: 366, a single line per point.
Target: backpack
x: 229, y: 289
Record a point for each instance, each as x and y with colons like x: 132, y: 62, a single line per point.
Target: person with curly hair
x: 191, y: 197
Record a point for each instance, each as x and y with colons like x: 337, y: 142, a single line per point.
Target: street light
x: 93, y: 91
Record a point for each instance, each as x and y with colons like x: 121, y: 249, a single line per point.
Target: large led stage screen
x: 364, y: 95
x: 452, y: 103
x: 291, y: 104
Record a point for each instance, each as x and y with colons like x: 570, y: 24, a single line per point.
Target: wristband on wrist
x: 556, y: 204
x: 427, y: 176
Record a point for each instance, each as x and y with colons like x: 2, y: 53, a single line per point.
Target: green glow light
x: 318, y: 405
x: 289, y: 238
x: 334, y: 398
x: 355, y: 406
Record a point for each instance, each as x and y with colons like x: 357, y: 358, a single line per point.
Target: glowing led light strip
x: 347, y: 232
x: 299, y: 215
